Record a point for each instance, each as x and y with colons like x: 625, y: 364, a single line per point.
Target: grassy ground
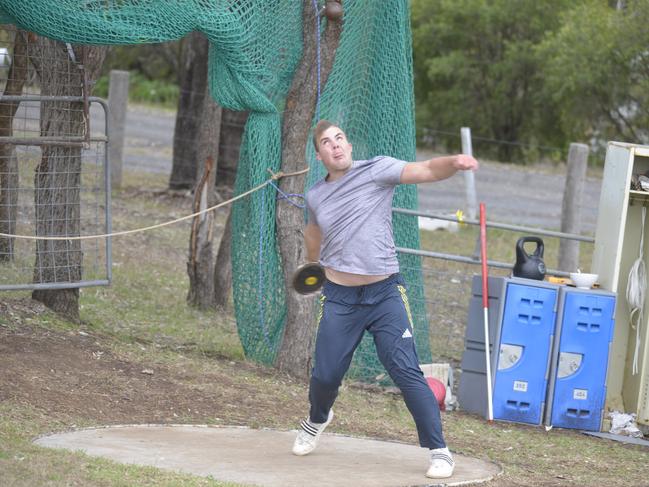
x: 59, y: 375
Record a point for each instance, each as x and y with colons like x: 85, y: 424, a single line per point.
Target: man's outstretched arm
x: 437, y: 168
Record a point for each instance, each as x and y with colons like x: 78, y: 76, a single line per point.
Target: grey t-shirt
x: 354, y: 214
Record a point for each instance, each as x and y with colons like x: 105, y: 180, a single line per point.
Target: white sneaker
x: 307, y: 437
x: 441, y: 464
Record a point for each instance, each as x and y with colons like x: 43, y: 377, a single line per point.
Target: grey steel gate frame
x: 70, y: 142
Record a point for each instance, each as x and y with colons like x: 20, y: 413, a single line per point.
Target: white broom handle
x: 485, y: 306
x: 490, y: 407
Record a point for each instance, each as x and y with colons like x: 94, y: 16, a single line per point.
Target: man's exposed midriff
x: 349, y: 279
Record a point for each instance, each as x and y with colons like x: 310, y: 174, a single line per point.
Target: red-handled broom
x: 485, y: 307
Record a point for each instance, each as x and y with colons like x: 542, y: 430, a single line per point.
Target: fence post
x: 117, y: 101
x: 469, y: 179
x: 571, y: 207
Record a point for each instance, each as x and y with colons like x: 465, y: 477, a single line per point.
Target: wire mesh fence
x: 49, y: 264
x: 53, y: 181
x: 448, y: 276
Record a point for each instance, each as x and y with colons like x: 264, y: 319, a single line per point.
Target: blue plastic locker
x: 578, y: 380
x: 527, y: 331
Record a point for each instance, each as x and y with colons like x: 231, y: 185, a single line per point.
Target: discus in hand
x: 308, y: 278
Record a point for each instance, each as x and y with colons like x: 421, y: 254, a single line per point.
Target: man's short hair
x: 321, y: 126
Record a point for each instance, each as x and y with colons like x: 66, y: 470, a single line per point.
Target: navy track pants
x: 382, y: 309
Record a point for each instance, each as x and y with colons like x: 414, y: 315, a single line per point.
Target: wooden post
x: 469, y: 179
x: 117, y: 101
x: 571, y: 207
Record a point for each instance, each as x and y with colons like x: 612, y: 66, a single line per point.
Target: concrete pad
x: 263, y: 457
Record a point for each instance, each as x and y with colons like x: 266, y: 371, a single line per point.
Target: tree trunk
x: 294, y: 356
x: 16, y: 79
x: 58, y: 176
x: 200, y: 266
x: 193, y: 92
x: 232, y: 125
x: 223, y: 267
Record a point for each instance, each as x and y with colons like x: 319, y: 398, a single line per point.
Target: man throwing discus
x: 349, y: 232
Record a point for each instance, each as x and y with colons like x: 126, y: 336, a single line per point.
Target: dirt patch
x: 79, y: 377
x: 74, y: 373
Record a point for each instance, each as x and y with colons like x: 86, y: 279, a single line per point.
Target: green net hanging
x: 255, y: 46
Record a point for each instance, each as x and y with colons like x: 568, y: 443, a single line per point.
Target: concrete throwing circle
x: 263, y: 457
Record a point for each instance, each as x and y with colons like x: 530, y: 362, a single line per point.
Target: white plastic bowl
x: 583, y: 280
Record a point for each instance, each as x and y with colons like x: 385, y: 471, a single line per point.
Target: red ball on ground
x: 439, y: 391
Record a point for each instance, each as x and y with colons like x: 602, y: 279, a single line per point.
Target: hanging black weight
x: 529, y: 266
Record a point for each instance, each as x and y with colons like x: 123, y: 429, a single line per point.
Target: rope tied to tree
x: 287, y: 196
x: 274, y: 177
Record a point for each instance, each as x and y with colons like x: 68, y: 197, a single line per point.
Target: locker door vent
x: 521, y: 406
x: 578, y: 413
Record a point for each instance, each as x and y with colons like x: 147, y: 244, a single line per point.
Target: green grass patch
x: 23, y: 463
x: 147, y: 299
x: 145, y: 91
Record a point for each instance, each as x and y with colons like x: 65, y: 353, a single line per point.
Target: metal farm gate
x: 80, y: 206
x: 54, y: 179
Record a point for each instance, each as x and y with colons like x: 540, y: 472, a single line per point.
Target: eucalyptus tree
x: 597, y: 72
x: 476, y: 64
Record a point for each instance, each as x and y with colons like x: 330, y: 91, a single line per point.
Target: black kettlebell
x: 529, y: 266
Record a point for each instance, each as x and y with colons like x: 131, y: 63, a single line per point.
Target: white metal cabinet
x: 617, y: 242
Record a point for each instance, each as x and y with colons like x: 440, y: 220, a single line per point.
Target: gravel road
x: 528, y: 196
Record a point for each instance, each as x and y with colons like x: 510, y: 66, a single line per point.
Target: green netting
x: 370, y: 94
x: 255, y: 46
